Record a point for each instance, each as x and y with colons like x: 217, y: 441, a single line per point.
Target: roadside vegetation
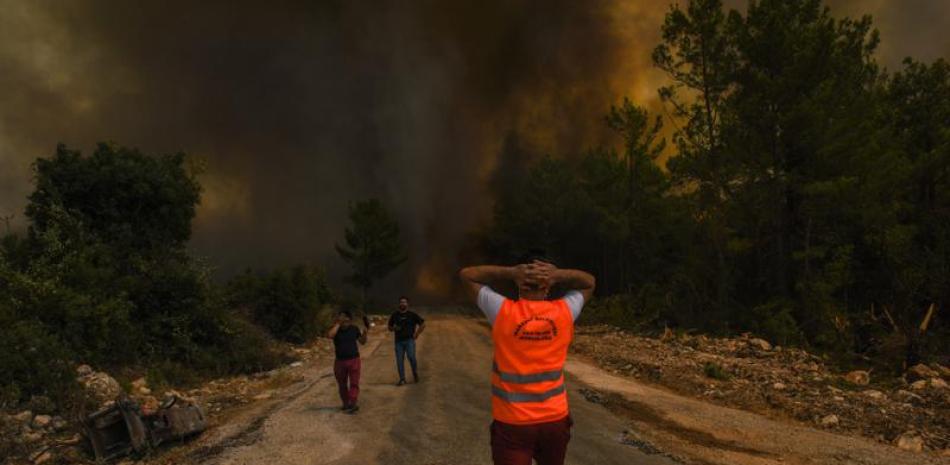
x: 102, y: 277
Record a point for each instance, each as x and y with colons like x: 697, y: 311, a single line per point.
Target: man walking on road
x: 407, y: 326
x: 531, y: 336
x: 346, y: 367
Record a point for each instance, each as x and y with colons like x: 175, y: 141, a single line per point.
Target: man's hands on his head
x: 542, y: 273
x: 523, y: 275
x: 535, y: 274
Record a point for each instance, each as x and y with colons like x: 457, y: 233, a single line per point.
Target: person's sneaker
x: 353, y: 409
x: 401, y: 382
x: 415, y: 377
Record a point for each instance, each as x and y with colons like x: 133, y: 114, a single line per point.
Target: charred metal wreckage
x: 121, y: 428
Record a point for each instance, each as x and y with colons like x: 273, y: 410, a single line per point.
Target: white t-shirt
x: 490, y: 303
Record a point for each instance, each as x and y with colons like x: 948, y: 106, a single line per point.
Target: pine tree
x: 373, y: 245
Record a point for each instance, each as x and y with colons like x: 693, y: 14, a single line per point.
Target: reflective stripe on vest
x: 516, y: 378
x: 527, y: 396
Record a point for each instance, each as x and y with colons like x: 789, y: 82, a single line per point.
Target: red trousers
x: 518, y: 444
x: 347, y: 373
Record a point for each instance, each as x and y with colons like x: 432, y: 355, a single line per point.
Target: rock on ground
x: 921, y: 371
x: 919, y: 385
x: 42, y: 421
x: 83, y: 370
x: 140, y: 386
x: 859, y: 377
x: 100, y: 386
x: 25, y: 416
x: 910, y: 441
x: 42, y: 458
x: 760, y: 344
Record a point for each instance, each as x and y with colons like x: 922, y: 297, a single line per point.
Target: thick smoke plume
x: 299, y: 108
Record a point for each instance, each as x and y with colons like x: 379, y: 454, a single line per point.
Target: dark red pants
x: 347, y: 374
x: 518, y: 444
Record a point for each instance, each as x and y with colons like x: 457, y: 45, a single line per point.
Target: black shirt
x: 345, y: 342
x: 404, y: 324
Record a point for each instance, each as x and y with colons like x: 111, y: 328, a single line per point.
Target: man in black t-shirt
x: 346, y: 368
x: 408, y: 326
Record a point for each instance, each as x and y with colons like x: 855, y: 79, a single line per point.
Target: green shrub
x: 774, y: 321
x: 290, y: 304
x: 33, y: 362
x: 621, y: 310
x: 714, y: 371
x: 247, y: 348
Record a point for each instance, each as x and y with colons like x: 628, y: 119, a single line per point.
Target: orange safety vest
x: 531, y: 339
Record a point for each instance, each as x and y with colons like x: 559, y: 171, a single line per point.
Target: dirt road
x: 444, y: 419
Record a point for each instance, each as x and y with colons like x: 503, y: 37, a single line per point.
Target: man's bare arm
x: 577, y: 280
x: 474, y: 277
x: 363, y: 335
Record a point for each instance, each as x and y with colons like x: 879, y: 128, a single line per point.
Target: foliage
x: 127, y: 199
x: 102, y: 278
x: 33, y: 361
x: 291, y: 304
x: 715, y: 371
x: 373, y: 247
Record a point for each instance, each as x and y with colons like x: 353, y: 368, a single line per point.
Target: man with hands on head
x: 531, y: 336
x: 346, y: 367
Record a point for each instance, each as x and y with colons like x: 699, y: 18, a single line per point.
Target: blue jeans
x: 405, y: 348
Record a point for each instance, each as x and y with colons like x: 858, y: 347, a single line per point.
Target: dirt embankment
x: 786, y: 383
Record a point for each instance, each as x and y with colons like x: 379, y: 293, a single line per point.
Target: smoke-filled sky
x: 301, y: 107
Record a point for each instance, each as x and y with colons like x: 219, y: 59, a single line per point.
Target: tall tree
x: 373, y: 245
x: 645, y: 181
x: 799, y: 137
x: 698, y: 54
x: 915, y: 249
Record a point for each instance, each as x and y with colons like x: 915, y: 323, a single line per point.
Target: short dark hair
x: 404, y: 297
x: 347, y: 313
x: 536, y: 254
